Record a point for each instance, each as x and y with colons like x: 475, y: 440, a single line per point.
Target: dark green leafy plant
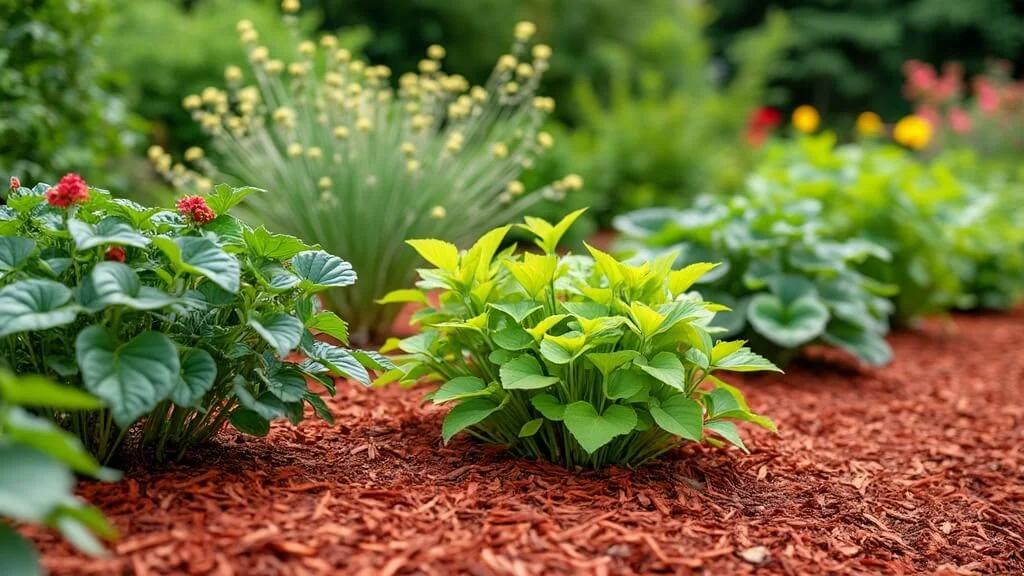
x: 787, y: 283
x: 183, y: 319
x: 584, y: 361
x: 38, y: 472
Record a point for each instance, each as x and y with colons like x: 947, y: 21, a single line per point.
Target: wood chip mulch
x: 915, y: 468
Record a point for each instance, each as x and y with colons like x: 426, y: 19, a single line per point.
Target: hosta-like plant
x: 37, y: 476
x: 786, y: 282
x: 359, y: 166
x: 184, y: 319
x: 581, y: 360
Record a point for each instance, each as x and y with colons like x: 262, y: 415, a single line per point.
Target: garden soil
x: 914, y: 468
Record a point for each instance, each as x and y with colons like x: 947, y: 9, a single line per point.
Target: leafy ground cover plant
x: 38, y: 473
x: 581, y: 360
x: 786, y: 282
x: 944, y: 221
x: 184, y: 319
x: 359, y: 166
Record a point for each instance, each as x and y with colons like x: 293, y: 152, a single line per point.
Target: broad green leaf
x: 320, y: 408
x: 404, y: 295
x: 319, y: 270
x: 329, y: 323
x: 544, y: 325
x: 196, y: 378
x: 200, y: 256
x: 531, y: 428
x: 44, y: 436
x: 623, y: 384
x: 721, y: 401
x: 229, y: 230
x: 34, y: 391
x: 519, y: 311
x: 443, y: 255
x: 460, y: 388
x: 548, y: 236
x: 792, y: 326
x: 727, y: 430
x: 563, y: 349
x: 667, y: 368
x: 132, y: 378
x: 679, y: 281
x: 744, y: 360
x: 608, y: 361
x: 266, y: 405
x: 525, y: 373
x: 263, y: 244
x: 789, y: 288
x: 71, y: 523
x: 116, y: 284
x: 608, y: 265
x: 20, y: 558
x: 287, y: 384
x: 224, y: 197
x: 34, y: 305
x: 467, y: 413
x: 108, y: 231
x: 14, y: 251
x: 723, y: 349
x: 868, y: 346
x: 476, y: 263
x: 679, y: 415
x: 282, y: 331
x: 277, y: 279
x: 549, y: 406
x: 32, y: 484
x: 593, y: 430
x: 324, y: 357
x: 249, y: 422
x: 646, y: 320
x: 513, y: 338
x: 535, y: 273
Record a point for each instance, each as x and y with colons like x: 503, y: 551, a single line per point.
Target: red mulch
x: 918, y: 467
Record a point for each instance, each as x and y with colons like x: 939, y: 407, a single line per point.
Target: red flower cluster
x: 15, y: 183
x: 116, y: 254
x: 71, y: 189
x: 763, y: 121
x: 195, y: 209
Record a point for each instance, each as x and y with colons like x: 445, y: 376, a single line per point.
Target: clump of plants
x: 786, y: 282
x: 38, y: 474
x: 359, y: 166
x: 580, y: 360
x: 182, y: 320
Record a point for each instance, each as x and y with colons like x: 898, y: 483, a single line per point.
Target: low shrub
x: 584, y: 361
x: 786, y: 282
x: 38, y: 474
x: 359, y: 167
x: 184, y: 319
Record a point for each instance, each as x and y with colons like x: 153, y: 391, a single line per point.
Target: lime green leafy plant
x: 184, y: 319
x: 584, y: 361
x: 38, y: 473
x: 359, y: 166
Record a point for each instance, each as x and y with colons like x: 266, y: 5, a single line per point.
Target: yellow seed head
x: 329, y: 41
x: 342, y: 55
x: 436, y: 52
x: 163, y: 163
x: 154, y: 152
x: 295, y: 150
x: 412, y: 165
x: 524, y: 70
x: 869, y: 124
x: 290, y: 6
x: 249, y: 94
x: 408, y: 80
x: 438, y: 212
x: 249, y: 37
x: 333, y: 79
x: 545, y: 140
x: 507, y: 62
x: 542, y: 52
x: 210, y: 95
x: 324, y: 183
x: 192, y: 101
x: 525, y: 30
x: 194, y: 153
x: 259, y: 54
x: 544, y: 104
x: 478, y: 93
x: 573, y: 182
x: 420, y: 121
x: 204, y: 184
x: 297, y: 68
x: 429, y: 66
x: 243, y: 25
x: 179, y: 168
x: 357, y: 67
x: 284, y: 116
x: 314, y: 153
x: 500, y: 150
x: 363, y: 124
x: 511, y: 87
x: 307, y: 48
x: 232, y: 74
x: 340, y: 132
x: 515, y: 188
x: 408, y: 148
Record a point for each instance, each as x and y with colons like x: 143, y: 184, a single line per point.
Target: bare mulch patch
x: 915, y: 468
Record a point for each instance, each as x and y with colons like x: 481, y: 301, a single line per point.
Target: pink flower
x: 15, y: 183
x: 960, y: 121
x: 195, y: 209
x: 921, y: 78
x: 988, y: 98
x: 71, y: 189
x: 930, y: 114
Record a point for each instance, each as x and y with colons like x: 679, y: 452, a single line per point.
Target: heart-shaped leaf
x: 549, y: 406
x: 868, y: 346
x: 459, y: 388
x: 110, y: 230
x: 606, y: 362
x: 266, y: 245
x: 14, y: 251
x: 266, y: 405
x: 666, y: 367
x: 622, y: 384
x: 465, y: 414
x: 319, y: 270
x: 517, y: 310
x: 329, y: 323
x: 593, y: 430
x: 326, y: 358
x: 198, y: 373
x: 132, y: 378
x: 200, y: 256
x: 249, y: 422
x: 287, y: 384
x: 32, y: 485
x: 727, y: 430
x: 228, y: 230
x: 282, y: 331
x: 44, y: 436
x: 114, y: 283
x: 34, y: 305
x: 524, y: 373
x: 803, y: 320
x: 679, y: 415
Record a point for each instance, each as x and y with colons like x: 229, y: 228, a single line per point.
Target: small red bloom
x: 15, y: 183
x: 116, y: 254
x: 195, y: 209
x: 766, y: 117
x: 71, y: 188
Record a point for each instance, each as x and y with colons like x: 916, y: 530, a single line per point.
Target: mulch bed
x: 915, y: 468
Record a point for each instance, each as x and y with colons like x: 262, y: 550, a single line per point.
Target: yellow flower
x: 307, y: 48
x: 428, y: 66
x: 249, y: 36
x: 525, y: 30
x: 363, y: 124
x: 507, y: 62
x: 314, y: 153
x: 806, y: 119
x: 232, y: 73
x: 436, y: 52
x: 438, y: 212
x: 191, y: 102
x: 542, y: 52
x: 408, y: 148
x: 155, y: 152
x: 295, y: 150
x: 259, y: 54
x: 329, y: 41
x: 204, y: 184
x: 524, y: 70
x: 515, y: 188
x: 478, y: 93
x: 243, y: 25
x: 342, y: 55
x: 290, y: 6
x: 544, y: 104
x: 545, y: 140
x: 412, y: 165
x: 340, y: 132
x: 297, y: 68
x: 500, y: 150
x: 511, y: 87
x: 573, y: 182
x: 194, y: 153
x: 913, y: 131
x: 324, y: 183
x: 869, y: 124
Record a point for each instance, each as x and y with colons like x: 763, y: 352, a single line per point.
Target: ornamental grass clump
x: 584, y: 361
x: 182, y: 320
x: 359, y: 166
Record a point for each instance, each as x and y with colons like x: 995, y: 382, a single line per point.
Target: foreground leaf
x: 593, y: 430
x: 34, y: 305
x: 465, y: 414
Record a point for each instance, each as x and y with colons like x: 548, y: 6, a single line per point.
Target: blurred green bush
x: 56, y: 112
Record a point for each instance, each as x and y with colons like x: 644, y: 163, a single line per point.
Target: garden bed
x: 915, y: 467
